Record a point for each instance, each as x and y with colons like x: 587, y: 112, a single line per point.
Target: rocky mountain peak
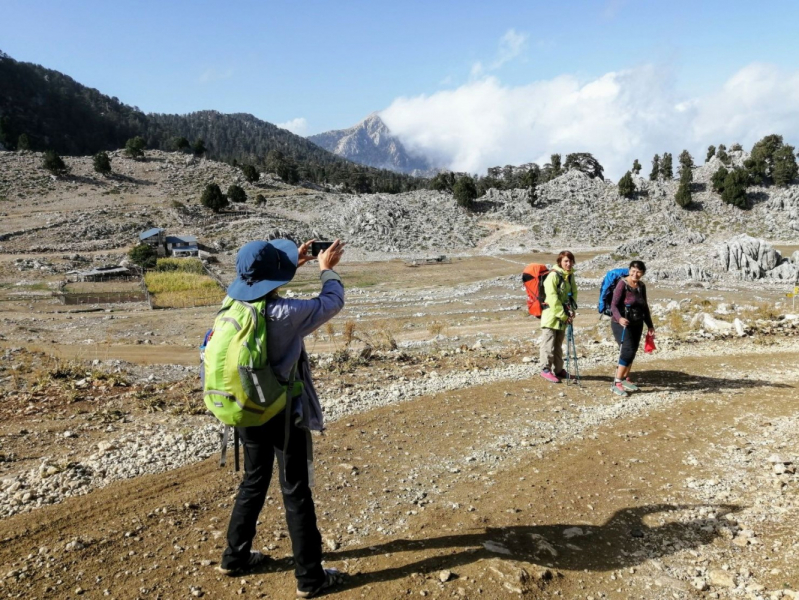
x: 371, y: 143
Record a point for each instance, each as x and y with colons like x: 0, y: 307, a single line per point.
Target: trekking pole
x: 571, y: 352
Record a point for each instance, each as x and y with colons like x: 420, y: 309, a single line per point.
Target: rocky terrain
x: 449, y: 468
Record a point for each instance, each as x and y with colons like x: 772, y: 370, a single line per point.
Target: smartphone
x: 317, y: 247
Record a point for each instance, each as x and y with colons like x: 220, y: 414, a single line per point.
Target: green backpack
x: 239, y: 386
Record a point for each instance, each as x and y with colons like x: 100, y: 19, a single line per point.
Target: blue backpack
x: 606, y: 289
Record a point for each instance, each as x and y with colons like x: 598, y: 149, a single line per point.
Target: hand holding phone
x: 317, y: 247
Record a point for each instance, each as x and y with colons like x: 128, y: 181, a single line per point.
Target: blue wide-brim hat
x: 262, y: 267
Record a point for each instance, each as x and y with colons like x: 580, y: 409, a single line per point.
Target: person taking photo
x: 262, y: 267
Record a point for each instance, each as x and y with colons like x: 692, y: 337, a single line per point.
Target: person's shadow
x: 622, y: 541
x: 659, y: 380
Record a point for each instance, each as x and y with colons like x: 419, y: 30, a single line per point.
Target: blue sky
x: 332, y: 63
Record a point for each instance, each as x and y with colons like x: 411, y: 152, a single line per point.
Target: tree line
x: 42, y: 109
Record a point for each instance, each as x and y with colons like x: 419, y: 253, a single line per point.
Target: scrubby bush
x: 143, y: 255
x: 134, y: 147
x: 260, y: 200
x: 718, y: 178
x: 735, y: 188
x: 54, y: 163
x: 251, y: 174
x: 199, y: 147
x: 102, y: 164
x: 236, y: 194
x: 213, y: 198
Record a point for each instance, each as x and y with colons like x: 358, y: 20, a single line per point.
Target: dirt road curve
x: 493, y: 484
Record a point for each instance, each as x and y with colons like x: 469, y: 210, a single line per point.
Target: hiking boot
x: 618, y: 389
x: 333, y: 577
x: 549, y: 376
x: 564, y: 374
x: 629, y: 386
x: 256, y: 559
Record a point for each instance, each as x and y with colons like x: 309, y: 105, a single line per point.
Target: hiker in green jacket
x: 561, y: 300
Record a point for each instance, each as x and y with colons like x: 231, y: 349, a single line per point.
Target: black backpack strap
x: 288, y: 409
x: 225, y: 438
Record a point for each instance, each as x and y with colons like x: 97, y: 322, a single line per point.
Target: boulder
x: 746, y: 257
x: 711, y: 325
x: 786, y: 271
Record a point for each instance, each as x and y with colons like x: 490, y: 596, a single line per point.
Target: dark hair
x: 638, y: 264
x: 563, y: 255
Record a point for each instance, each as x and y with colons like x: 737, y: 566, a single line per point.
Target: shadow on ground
x: 621, y: 542
x: 680, y: 381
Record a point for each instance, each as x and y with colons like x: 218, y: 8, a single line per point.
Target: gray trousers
x: 552, y: 349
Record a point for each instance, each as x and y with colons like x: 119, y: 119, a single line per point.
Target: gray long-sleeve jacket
x: 289, y: 320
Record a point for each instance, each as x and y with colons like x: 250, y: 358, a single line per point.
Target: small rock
x: 445, y: 576
x: 721, y: 578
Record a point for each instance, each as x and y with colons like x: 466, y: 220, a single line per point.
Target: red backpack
x: 533, y: 278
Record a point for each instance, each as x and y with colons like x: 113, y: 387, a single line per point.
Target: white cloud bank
x: 618, y: 117
x: 298, y: 126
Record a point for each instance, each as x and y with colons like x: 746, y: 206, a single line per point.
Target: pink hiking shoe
x: 549, y: 376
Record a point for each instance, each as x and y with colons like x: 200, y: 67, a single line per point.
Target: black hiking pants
x: 628, y: 339
x: 261, y: 445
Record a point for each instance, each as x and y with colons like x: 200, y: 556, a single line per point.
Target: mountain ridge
x: 56, y: 112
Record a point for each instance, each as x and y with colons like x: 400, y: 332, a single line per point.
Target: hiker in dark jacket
x: 262, y: 268
x: 630, y: 311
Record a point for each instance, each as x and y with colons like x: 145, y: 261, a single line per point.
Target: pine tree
x: 627, y: 185
x: 735, y: 188
x: 134, y: 147
x: 686, y: 164
x: 666, y: 170
x: 464, y: 191
x: 636, y: 167
x: 251, y: 174
x: 102, y: 164
x: 761, y: 160
x: 683, y: 195
x: 199, y: 147
x: 181, y: 144
x: 736, y: 148
x: 785, y: 169
x: 54, y: 163
x: 722, y: 155
x: 213, y: 198
x: 236, y: 194
x: 711, y: 152
x: 653, y: 176
x: 23, y: 142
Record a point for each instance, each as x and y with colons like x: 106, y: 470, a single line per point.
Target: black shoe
x: 256, y: 559
x: 333, y: 577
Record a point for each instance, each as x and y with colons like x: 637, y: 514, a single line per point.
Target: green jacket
x: 557, y: 291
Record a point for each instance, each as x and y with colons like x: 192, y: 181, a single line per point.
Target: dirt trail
x: 483, y: 482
